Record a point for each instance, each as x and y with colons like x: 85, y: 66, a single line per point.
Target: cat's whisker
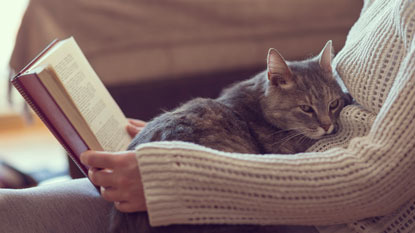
x: 291, y: 130
x: 287, y: 138
x: 304, y: 139
x: 277, y: 132
x: 288, y: 131
x: 281, y: 131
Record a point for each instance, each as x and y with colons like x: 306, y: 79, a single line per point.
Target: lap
x: 72, y: 206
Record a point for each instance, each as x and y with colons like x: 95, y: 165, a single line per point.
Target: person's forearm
x: 320, y: 190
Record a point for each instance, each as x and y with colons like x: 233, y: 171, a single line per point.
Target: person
x: 342, y: 184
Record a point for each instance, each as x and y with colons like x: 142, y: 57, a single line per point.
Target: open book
x: 66, y: 93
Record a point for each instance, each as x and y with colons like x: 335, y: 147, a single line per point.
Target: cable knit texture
x: 367, y: 169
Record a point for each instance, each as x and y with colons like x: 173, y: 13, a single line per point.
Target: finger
x: 130, y: 207
x: 111, y: 194
x: 101, y: 177
x: 99, y: 159
x: 137, y: 123
x: 133, y: 130
x: 114, y: 194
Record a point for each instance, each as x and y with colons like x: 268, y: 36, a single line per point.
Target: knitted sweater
x: 367, y: 169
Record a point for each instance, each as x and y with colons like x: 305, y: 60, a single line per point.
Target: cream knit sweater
x: 366, y: 170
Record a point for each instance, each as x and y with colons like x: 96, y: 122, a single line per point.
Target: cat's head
x: 303, y: 95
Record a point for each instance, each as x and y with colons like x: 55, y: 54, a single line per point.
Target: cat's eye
x: 334, y: 104
x: 306, y: 108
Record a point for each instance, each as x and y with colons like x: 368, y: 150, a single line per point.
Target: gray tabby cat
x: 284, y: 109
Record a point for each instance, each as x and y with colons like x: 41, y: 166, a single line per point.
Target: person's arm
x: 373, y: 176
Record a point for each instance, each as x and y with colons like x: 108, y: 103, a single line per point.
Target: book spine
x: 52, y: 116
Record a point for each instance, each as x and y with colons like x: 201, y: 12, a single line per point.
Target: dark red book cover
x: 38, y: 97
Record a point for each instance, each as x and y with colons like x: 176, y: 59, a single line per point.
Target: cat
x: 282, y: 110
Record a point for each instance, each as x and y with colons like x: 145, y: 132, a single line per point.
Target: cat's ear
x: 325, y: 56
x: 278, y: 73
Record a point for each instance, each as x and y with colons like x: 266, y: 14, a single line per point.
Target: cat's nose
x: 327, y: 127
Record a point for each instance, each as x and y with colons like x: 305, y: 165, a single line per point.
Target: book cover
x: 63, y: 89
x: 38, y: 97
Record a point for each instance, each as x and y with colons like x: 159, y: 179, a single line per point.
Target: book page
x: 90, y: 96
x: 61, y: 97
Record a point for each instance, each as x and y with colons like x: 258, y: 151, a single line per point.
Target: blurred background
x: 153, y: 55
x: 11, y: 14
x: 27, y: 146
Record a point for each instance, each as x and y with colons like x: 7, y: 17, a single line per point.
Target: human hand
x: 135, y: 126
x: 118, y: 176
